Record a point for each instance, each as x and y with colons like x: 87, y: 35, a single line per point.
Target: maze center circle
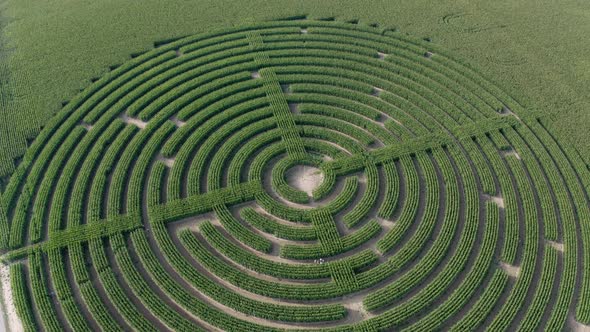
x: 304, y: 178
x: 297, y: 174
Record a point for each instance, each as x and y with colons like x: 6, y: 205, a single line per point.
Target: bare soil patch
x: 85, y: 125
x: 376, y: 91
x: 305, y: 178
x: 556, y: 245
x: 179, y: 123
x: 498, y: 200
x: 8, y: 317
x: 134, y: 121
x: 511, y: 270
x: 169, y: 162
x: 512, y: 153
x: 577, y: 326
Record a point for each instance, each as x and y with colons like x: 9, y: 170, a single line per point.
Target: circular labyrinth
x: 297, y: 174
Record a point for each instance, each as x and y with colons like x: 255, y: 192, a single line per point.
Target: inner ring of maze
x: 162, y: 197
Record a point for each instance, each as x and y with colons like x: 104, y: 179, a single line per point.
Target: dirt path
x: 498, y: 200
x: 556, y: 245
x: 169, y: 162
x: 9, y: 320
x: 577, y: 326
x: 511, y: 270
x: 511, y: 152
x: 134, y: 121
x: 179, y: 123
x: 85, y: 125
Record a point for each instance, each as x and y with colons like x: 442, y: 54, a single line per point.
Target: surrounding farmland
x: 160, y: 197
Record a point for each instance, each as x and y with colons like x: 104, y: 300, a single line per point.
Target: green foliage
x: 158, y: 198
x: 78, y: 234
x: 182, y: 208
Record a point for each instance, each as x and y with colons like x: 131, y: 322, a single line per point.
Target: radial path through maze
x: 162, y: 196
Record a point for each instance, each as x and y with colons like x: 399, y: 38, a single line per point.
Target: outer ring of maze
x: 421, y: 146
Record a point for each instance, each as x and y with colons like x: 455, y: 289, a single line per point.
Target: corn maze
x: 160, y: 199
